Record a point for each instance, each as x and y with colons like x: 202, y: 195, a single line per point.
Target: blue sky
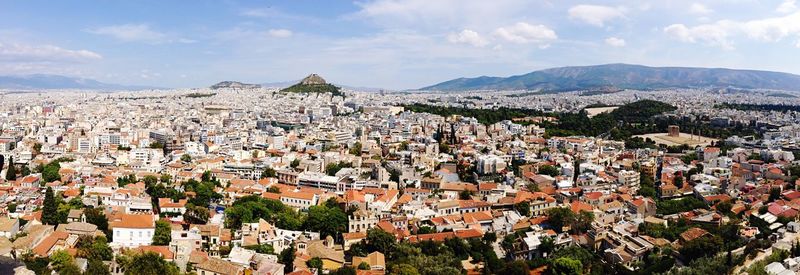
x: 396, y: 44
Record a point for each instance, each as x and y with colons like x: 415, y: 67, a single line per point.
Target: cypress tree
x: 11, y: 173
x: 2, y: 162
x: 50, y: 209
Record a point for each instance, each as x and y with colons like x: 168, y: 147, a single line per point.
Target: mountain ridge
x: 51, y: 81
x: 625, y: 76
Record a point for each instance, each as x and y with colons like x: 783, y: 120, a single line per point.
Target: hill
x: 625, y: 76
x: 313, y: 84
x: 47, y: 81
x: 234, y: 85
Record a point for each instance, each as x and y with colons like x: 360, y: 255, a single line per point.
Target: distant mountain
x: 234, y: 85
x: 47, y: 81
x: 625, y: 76
x: 313, y: 83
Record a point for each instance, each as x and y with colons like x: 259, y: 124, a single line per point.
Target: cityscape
x: 210, y: 163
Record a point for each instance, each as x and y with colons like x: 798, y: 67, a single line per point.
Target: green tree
x: 148, y: 263
x: 381, y: 241
x: 163, y: 233
x: 50, y: 208
x: 165, y: 178
x: 524, y: 208
x: 465, y: 195
x: 315, y: 263
x: 566, y: 266
x: 704, y: 246
x: 345, y: 270
x: 186, y: 158
x: 560, y: 217
x: 327, y: 219
x: 196, y: 215
x: 549, y: 170
x: 363, y: 266
x: 403, y: 269
x: 11, y: 172
x: 94, y: 248
x: 60, y: 259
x: 268, y: 173
x: 96, y: 267
x: 97, y: 217
x: 262, y: 248
x: 287, y: 258
x: 356, y: 149
x: 516, y: 268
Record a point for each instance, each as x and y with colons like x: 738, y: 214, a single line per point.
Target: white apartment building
x: 133, y: 230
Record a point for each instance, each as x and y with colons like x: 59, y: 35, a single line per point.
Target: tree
x: 295, y: 163
x: 566, y: 266
x: 465, y: 195
x: 345, y: 270
x: 508, y: 244
x: 60, y: 259
x: 186, y: 158
x: 363, y: 266
x: 724, y: 207
x: 547, y: 245
x: 516, y: 268
x: 774, y: 194
x: 163, y: 233
x: 403, y: 269
x: 196, y: 215
x: 549, y: 170
x: 704, y: 246
x: 11, y: 172
x: 268, y: 173
x: 262, y: 248
x: 147, y: 263
x: 96, y: 267
x: 50, y: 208
x: 425, y: 230
x: 379, y: 240
x: 560, y: 217
x: 2, y: 162
x: 97, y: 217
x: 287, y: 258
x: 165, y: 178
x: 94, y: 248
x: 524, y: 208
x: 356, y: 149
x: 315, y: 263
x: 328, y: 219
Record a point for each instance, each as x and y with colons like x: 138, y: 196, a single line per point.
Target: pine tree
x: 50, y: 209
x: 11, y: 173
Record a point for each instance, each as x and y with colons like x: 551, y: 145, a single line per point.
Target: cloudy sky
x: 396, y: 44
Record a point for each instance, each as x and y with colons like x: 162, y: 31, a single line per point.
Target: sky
x: 393, y: 44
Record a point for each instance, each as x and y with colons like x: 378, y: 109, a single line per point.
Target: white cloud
x: 595, y: 14
x: 697, y: 8
x: 716, y: 34
x: 524, y: 33
x: 615, y: 42
x: 787, y: 6
x: 48, y: 53
x: 719, y: 33
x: 436, y: 15
x: 467, y: 37
x: 280, y: 33
x: 131, y: 33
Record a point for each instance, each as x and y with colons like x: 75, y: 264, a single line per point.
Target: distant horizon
x: 392, y: 44
x: 360, y: 86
